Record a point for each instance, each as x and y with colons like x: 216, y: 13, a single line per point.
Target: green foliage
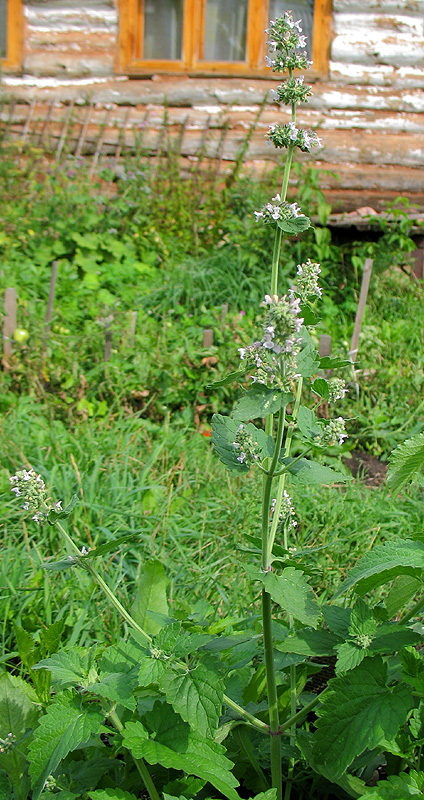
x: 150, y: 597
x: 405, y: 461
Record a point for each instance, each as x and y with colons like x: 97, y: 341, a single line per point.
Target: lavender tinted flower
x: 287, y: 515
x: 31, y: 487
x: 286, y: 44
x: 278, y: 210
x: 284, y: 136
x: 249, y: 450
x: 335, y: 432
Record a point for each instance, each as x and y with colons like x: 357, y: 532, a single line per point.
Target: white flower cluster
x: 84, y: 552
x: 337, y: 389
x: 286, y: 44
x: 307, y: 280
x: 333, y: 433
x: 274, y: 356
x: 276, y: 210
x: 249, y: 450
x: 294, y: 90
x: 288, y: 135
x: 31, y: 487
x: 287, y: 515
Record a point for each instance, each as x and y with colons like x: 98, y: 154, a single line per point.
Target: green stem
x: 139, y: 762
x: 414, y: 611
x: 274, y: 723
x: 300, y: 715
x: 257, y: 723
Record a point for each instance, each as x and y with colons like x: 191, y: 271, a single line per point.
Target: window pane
x: 3, y: 28
x: 301, y: 9
x: 163, y: 29
x: 225, y: 30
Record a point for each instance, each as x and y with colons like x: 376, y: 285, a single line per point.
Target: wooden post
x: 324, y: 347
x: 9, y: 323
x: 132, y: 328
x: 417, y: 268
x: 50, y: 302
x: 99, y: 143
x: 207, y: 337
x: 366, y: 275
x: 64, y: 131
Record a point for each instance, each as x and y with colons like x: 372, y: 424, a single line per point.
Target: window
x: 11, y: 27
x: 223, y: 37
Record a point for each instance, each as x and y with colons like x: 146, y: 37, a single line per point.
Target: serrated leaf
x: 310, y: 642
x: 385, y: 563
x: 405, y: 461
x: 337, y: 619
x: 190, y: 752
x: 118, y: 687
x: 413, y: 668
x: 71, y: 668
x: 321, y: 388
x: 349, y: 656
x: 196, y: 695
x: 231, y: 378
x: 401, y: 593
x: 50, y: 637
x: 307, y: 361
x: 293, y: 594
x: 294, y: 225
x: 357, y: 712
x: 312, y: 473
x: 326, y: 362
x: 151, y: 670
x: 5, y: 787
x: 397, y: 787
x: 111, y: 794
x: 259, y: 401
x: 224, y: 431
x: 66, y: 726
x: 151, y: 596
x: 307, y: 423
x: 18, y: 713
x: 392, y: 638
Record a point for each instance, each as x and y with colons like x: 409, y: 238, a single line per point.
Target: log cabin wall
x: 368, y: 110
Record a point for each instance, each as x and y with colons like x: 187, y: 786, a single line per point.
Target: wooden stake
x: 324, y: 347
x: 207, y: 337
x: 9, y: 323
x: 366, y: 275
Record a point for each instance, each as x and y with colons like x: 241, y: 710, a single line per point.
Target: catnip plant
x: 178, y: 708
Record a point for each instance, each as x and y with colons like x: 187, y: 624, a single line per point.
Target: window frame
x: 189, y: 64
x: 14, y: 38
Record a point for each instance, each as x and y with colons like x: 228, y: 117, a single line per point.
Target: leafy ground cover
x: 129, y: 436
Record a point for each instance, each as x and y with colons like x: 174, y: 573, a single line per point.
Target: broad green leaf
x: 293, y: 594
x: 224, y: 431
x: 349, y: 656
x: 321, y: 388
x: 270, y: 794
x: 312, y: 473
x: 50, y: 637
x: 111, y: 794
x: 5, y: 787
x: 353, y: 786
x: 308, y: 361
x: 259, y: 401
x: 405, y: 461
x: 401, y: 593
x: 327, y: 362
x: 66, y: 726
x: 72, y: 668
x: 357, y: 712
x: 385, y: 563
x: 118, y: 687
x: 151, y: 596
x: 294, y: 224
x: 397, y: 787
x: 231, y: 378
x: 308, y: 424
x: 190, y: 752
x: 310, y: 642
x: 196, y: 695
x: 122, y: 656
x: 151, y: 670
x: 27, y: 648
x: 18, y: 713
x: 337, y: 619
x: 413, y: 668
x: 392, y: 638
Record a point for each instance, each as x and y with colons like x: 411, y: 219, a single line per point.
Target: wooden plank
x: 15, y: 28
x: 83, y: 132
x: 99, y: 143
x: 366, y: 275
x: 64, y: 132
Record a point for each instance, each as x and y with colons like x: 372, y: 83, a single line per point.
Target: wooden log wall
x: 369, y: 111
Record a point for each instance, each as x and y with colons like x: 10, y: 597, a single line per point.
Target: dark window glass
x: 301, y: 9
x: 163, y: 29
x: 225, y: 30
